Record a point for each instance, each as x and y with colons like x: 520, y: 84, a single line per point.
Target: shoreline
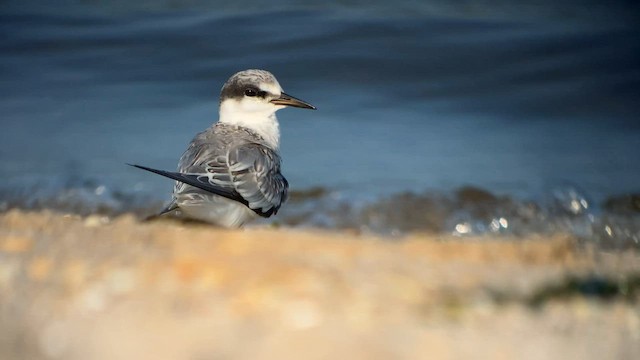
x: 84, y: 288
x: 465, y: 212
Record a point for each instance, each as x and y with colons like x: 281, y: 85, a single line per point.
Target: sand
x: 100, y: 288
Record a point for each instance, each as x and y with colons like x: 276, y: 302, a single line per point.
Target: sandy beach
x: 100, y: 288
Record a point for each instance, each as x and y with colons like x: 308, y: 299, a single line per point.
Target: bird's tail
x: 169, y: 208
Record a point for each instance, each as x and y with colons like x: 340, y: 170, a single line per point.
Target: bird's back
x: 213, y: 143
x: 209, y: 154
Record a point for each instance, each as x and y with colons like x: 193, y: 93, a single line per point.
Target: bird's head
x: 255, y: 93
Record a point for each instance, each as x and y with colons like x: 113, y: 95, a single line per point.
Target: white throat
x: 260, y: 119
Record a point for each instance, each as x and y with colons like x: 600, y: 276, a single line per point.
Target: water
x: 440, y: 119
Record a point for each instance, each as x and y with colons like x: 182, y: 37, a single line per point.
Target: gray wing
x: 255, y: 172
x: 247, y: 172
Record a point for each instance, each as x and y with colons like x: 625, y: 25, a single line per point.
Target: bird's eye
x: 250, y: 92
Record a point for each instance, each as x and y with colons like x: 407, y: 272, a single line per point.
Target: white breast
x: 257, y: 117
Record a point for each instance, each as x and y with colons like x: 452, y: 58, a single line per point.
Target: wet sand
x: 98, y: 288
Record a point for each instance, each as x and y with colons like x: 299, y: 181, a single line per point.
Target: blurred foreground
x: 94, y: 288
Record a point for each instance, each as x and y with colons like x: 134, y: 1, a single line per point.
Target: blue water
x: 517, y: 104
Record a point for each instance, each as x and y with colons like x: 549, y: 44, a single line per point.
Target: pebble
x: 39, y: 268
x: 95, y: 220
x: 16, y: 244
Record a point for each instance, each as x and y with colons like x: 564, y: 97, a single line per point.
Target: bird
x: 230, y: 174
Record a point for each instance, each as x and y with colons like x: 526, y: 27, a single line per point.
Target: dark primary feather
x: 198, y: 181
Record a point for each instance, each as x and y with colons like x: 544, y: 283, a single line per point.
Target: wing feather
x: 255, y: 173
x: 249, y: 174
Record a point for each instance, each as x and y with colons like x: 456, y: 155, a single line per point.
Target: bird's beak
x: 288, y: 100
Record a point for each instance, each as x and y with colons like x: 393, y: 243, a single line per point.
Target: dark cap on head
x: 241, y: 82
x: 260, y: 84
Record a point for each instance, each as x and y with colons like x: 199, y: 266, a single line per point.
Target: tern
x: 230, y: 173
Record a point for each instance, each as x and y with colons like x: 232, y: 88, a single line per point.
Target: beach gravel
x: 116, y: 288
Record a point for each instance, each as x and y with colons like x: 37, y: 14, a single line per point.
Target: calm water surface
x: 535, y: 113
